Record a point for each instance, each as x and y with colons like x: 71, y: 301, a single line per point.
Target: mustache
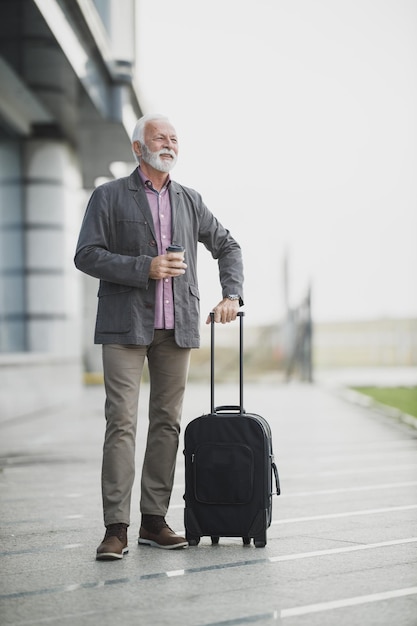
x: 166, y: 151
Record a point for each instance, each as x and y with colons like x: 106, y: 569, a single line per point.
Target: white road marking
x: 175, y: 572
x: 297, y: 494
x: 312, y: 518
x: 355, y: 548
x: 338, y: 604
x: 357, y: 470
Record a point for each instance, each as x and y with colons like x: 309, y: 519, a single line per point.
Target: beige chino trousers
x: 168, y: 370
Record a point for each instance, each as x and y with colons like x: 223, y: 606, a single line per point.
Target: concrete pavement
x: 341, y: 549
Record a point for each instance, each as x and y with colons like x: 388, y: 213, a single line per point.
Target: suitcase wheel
x: 246, y: 541
x: 260, y: 541
x: 193, y: 541
x: 214, y: 541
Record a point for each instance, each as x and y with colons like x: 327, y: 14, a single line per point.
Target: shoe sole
x: 111, y: 556
x: 174, y: 546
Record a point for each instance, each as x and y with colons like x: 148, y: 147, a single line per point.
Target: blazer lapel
x: 139, y: 195
x: 175, y: 199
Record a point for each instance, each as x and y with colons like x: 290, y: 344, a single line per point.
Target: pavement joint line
x: 70, y: 546
x: 320, y: 607
x: 278, y: 615
x: 39, y: 520
x: 312, y: 518
x: 199, y: 570
x: 354, y: 601
x: 248, y: 619
x: 62, y: 616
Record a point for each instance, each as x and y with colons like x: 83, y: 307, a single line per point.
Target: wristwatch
x: 233, y: 296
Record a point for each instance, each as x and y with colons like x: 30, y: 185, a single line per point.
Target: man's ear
x: 137, y: 148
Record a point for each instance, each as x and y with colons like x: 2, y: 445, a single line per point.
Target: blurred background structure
x: 68, y: 103
x: 327, y: 135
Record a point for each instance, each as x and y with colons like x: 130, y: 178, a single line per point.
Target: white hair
x: 139, y: 130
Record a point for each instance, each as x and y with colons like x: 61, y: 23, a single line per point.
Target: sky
x: 297, y: 124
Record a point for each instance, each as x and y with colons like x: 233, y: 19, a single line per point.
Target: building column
x: 53, y: 206
x: 12, y: 279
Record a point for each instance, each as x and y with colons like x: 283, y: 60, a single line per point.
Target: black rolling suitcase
x: 229, y: 470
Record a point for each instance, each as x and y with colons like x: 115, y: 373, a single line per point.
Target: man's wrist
x: 233, y: 296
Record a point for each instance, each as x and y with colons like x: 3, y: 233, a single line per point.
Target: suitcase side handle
x: 240, y: 408
x: 277, y: 485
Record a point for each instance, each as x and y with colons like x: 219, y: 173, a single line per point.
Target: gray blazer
x: 116, y: 244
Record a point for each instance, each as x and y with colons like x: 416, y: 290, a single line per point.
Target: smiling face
x: 160, y: 147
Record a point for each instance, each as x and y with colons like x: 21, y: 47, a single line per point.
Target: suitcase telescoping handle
x: 227, y: 407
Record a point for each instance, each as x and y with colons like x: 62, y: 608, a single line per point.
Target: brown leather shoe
x: 154, y: 531
x: 114, y: 544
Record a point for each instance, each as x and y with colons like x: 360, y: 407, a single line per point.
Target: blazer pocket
x: 194, y: 291
x: 114, y: 312
x: 191, y: 311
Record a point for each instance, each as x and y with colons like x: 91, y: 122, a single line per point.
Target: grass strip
x: 402, y: 398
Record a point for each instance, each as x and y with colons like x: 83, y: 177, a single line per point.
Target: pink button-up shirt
x: 160, y: 205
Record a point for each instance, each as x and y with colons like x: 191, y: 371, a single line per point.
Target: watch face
x: 233, y: 296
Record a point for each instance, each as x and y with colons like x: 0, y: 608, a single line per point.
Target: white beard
x: 154, y: 159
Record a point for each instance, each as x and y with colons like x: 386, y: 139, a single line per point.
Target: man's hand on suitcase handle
x: 226, y: 311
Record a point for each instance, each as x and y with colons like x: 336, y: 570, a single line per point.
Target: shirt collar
x: 148, y: 183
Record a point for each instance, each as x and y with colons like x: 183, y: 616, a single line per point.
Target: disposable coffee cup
x: 177, y: 249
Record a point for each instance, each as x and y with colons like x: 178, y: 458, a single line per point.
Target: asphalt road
x: 341, y: 549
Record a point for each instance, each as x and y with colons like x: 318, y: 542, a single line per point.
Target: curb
x: 361, y: 399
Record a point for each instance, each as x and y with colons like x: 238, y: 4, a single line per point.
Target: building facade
x: 68, y: 103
